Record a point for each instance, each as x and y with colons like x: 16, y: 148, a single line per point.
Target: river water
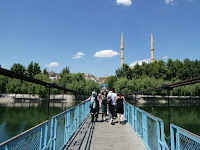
x: 18, y: 117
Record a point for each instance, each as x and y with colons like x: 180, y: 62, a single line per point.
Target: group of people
x: 110, y: 104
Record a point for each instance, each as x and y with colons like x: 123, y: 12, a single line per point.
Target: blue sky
x: 59, y: 33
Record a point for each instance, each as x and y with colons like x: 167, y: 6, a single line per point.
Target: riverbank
x: 25, y: 98
x: 157, y: 99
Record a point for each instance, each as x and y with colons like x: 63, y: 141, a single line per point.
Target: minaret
x: 122, y: 50
x: 152, y: 49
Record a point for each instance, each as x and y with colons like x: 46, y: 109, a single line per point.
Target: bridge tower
x: 122, y: 50
x: 152, y: 49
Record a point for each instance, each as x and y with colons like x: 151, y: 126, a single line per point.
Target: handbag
x: 91, y: 105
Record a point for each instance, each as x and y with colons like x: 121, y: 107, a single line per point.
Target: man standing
x: 111, y: 95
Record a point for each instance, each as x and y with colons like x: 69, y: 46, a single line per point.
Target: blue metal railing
x: 51, y: 134
x: 151, y: 130
x: 183, y: 139
x: 148, y: 127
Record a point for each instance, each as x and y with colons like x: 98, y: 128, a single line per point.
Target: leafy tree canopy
x: 18, y: 68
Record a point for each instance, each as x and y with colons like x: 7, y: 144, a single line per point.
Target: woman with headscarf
x: 119, y: 106
x: 94, y: 106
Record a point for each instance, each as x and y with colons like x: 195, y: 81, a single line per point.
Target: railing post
x: 51, y: 138
x: 132, y: 116
x: 55, y: 134
x: 68, y: 125
x: 48, y: 103
x: 81, y: 112
x: 172, y: 137
x: 75, y: 117
x: 163, y: 135
x: 83, y: 109
x: 144, y: 124
x: 136, y: 123
x: 6, y: 147
x: 158, y: 134
x: 128, y: 114
x: 78, y: 116
x: 66, y: 120
x: 45, y: 136
x: 41, y: 138
x: 124, y: 110
x: 177, y: 140
x: 168, y: 110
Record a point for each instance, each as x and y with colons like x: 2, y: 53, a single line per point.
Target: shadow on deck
x: 104, y: 136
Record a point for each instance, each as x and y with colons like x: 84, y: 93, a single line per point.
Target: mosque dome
x: 139, y: 62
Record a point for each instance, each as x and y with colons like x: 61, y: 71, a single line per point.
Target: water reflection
x: 18, y: 117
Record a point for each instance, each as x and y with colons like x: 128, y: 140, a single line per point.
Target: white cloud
x: 52, y: 64
x: 106, y: 53
x: 169, y: 1
x: 165, y: 57
x: 124, y: 2
x: 78, y: 55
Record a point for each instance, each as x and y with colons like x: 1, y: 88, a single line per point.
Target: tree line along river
x: 14, y: 120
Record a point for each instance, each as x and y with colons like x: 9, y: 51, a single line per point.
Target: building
x: 152, y: 49
x: 99, y: 80
x: 53, y: 76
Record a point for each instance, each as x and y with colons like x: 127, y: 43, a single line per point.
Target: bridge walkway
x: 104, y: 136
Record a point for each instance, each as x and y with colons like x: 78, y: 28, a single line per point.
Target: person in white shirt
x: 111, y: 96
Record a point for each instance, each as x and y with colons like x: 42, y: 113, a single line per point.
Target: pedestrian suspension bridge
x: 72, y: 129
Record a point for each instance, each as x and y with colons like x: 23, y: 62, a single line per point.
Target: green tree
x: 178, y: 65
x: 75, y: 81
x: 161, y: 70
x: 40, y: 90
x: 110, y: 81
x: 91, y: 85
x: 3, y: 83
x: 18, y: 68
x: 45, y: 71
x: 36, y: 69
x: 171, y: 69
x: 124, y: 85
x: 30, y: 70
x: 33, y: 69
x: 145, y: 69
x: 14, y: 86
x: 125, y: 71
x: 64, y: 72
x: 137, y: 71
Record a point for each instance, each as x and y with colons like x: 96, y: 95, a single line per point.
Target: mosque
x: 139, y: 61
